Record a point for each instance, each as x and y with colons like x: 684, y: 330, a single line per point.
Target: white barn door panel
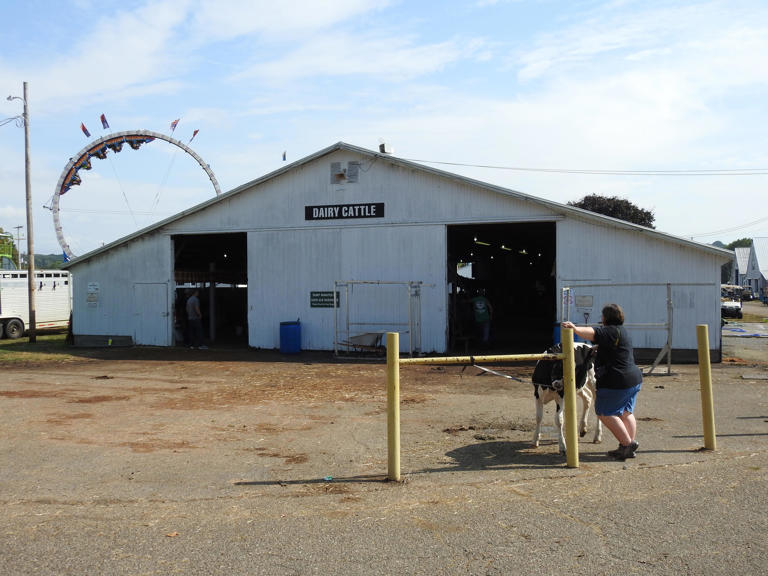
x: 150, y: 314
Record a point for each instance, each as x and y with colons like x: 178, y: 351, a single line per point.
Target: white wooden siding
x: 289, y: 257
x: 593, y: 254
x: 116, y: 313
x: 410, y: 197
x: 285, y: 267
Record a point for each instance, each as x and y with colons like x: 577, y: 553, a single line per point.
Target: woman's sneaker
x: 624, y: 452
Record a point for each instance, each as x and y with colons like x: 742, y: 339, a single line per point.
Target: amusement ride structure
x: 98, y: 149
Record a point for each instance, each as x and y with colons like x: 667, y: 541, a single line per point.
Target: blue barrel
x: 290, y: 337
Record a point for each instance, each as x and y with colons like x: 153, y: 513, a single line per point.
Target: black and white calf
x: 548, y: 385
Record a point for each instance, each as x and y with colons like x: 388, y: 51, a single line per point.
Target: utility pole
x: 32, y: 328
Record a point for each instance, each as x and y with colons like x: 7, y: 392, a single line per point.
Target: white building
x: 387, y: 236
x: 757, y: 271
x: 743, y: 254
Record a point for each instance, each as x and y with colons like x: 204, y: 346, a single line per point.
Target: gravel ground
x: 213, y: 462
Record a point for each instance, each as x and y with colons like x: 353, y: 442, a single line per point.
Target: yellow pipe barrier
x: 705, y: 378
x: 393, y: 406
x: 470, y: 359
x: 569, y: 388
x: 393, y: 393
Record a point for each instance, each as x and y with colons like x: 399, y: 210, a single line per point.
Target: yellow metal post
x: 705, y: 378
x: 569, y: 383
x: 393, y: 406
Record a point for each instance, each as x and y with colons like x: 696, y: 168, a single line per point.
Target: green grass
x: 754, y: 317
x: 48, y: 347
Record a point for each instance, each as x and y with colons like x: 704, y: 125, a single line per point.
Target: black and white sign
x: 344, y: 211
x: 324, y: 299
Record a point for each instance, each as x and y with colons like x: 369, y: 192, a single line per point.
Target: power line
x: 131, y: 213
x: 712, y: 172
x: 732, y: 229
x: 19, y: 120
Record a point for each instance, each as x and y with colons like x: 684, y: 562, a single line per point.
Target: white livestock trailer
x: 53, y: 300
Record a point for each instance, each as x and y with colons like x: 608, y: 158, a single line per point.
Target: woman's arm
x: 586, y: 332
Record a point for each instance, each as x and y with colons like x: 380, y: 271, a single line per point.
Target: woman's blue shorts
x: 614, y: 402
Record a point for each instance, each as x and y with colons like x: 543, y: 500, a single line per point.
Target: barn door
x: 151, y: 316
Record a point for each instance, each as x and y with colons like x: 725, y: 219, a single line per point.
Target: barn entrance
x: 217, y: 265
x: 513, y: 266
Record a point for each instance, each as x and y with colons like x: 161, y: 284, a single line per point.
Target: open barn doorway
x: 513, y: 266
x: 217, y: 266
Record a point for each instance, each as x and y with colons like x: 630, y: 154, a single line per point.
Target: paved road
x: 105, y: 470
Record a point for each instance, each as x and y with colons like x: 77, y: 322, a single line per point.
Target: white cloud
x: 127, y: 51
x: 368, y: 56
x: 625, y: 86
x: 215, y: 20
x: 729, y: 38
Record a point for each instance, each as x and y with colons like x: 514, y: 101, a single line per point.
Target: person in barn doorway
x: 618, y: 378
x: 483, y: 314
x: 195, y: 321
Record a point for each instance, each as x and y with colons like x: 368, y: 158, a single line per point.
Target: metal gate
x: 365, y: 311
x: 576, y: 297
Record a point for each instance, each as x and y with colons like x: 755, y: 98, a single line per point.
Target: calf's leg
x: 539, y: 416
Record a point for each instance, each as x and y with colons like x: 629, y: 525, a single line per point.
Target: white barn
x: 743, y: 256
x: 756, y: 272
x: 384, y: 237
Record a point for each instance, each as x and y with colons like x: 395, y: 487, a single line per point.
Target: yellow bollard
x: 393, y: 406
x: 705, y: 378
x: 569, y: 383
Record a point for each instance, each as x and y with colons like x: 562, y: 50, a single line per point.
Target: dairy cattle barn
x: 348, y: 244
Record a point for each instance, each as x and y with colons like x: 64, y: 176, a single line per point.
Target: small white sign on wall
x: 584, y: 301
x: 584, y: 306
x: 92, y: 297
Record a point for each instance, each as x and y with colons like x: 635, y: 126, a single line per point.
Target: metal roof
x: 742, y: 258
x: 760, y: 246
x: 726, y: 255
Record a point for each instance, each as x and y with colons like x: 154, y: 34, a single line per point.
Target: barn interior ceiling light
x: 523, y: 251
x: 506, y: 248
x: 481, y: 243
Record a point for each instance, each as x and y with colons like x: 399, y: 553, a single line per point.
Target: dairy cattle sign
x: 344, y: 211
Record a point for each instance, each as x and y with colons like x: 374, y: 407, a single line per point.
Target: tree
x: 740, y: 243
x: 49, y: 261
x: 9, y: 255
x: 616, y: 208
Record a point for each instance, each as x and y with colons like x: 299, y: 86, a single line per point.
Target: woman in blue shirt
x: 618, y: 378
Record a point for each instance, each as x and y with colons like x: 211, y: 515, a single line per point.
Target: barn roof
x: 742, y: 258
x: 761, y: 253
x: 564, y: 209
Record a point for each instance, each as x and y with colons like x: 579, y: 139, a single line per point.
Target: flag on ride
x: 193, y: 135
x: 85, y: 130
x: 104, y: 122
x: 174, y: 124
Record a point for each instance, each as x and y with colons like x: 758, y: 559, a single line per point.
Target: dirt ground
x: 146, y: 461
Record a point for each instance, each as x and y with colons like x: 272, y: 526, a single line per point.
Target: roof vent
x: 338, y: 174
x: 385, y: 148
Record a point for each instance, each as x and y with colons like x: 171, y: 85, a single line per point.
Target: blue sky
x: 568, y: 85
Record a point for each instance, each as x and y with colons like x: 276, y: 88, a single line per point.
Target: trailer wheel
x: 2, y: 330
x: 14, y: 328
